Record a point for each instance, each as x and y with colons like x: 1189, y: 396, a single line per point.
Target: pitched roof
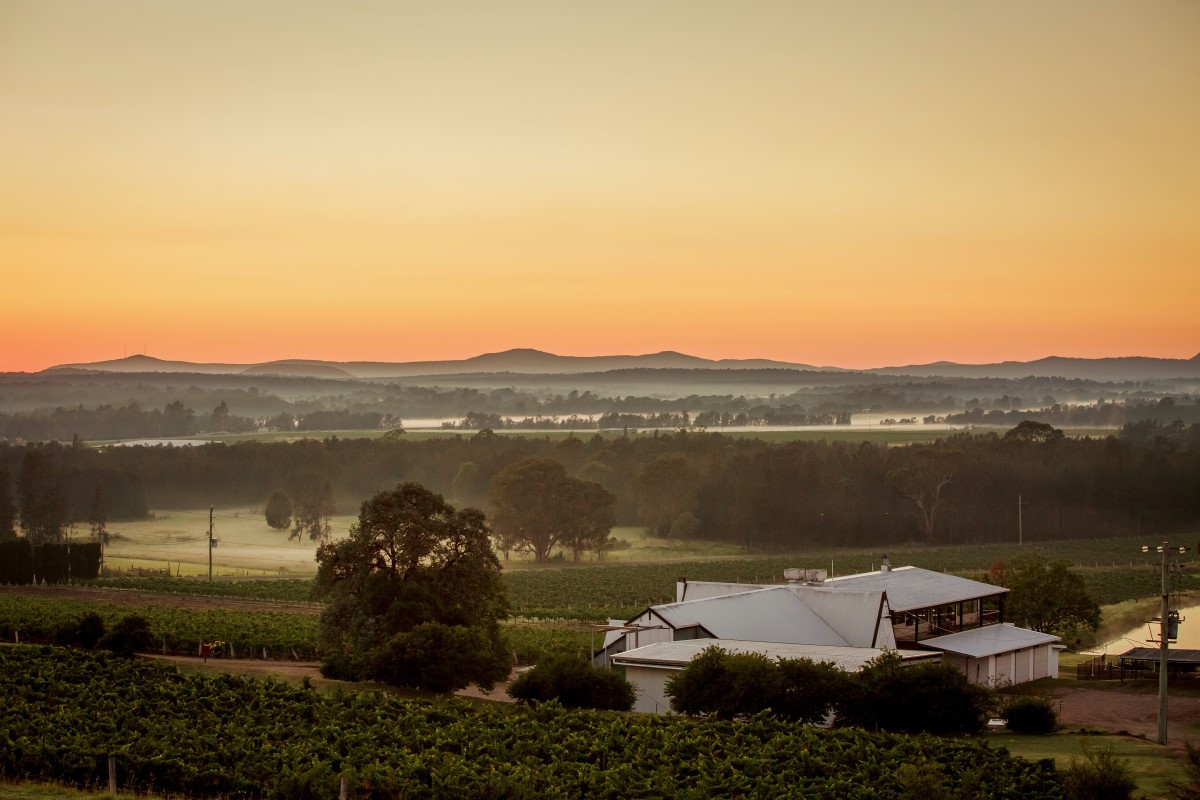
x: 680, y: 654
x: 761, y: 615
x: 910, y: 588
x: 990, y: 640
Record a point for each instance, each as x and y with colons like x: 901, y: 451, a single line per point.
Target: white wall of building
x: 651, y: 686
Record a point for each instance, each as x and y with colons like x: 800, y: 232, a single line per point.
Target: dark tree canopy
x: 1047, y: 597
x: 279, y: 510
x: 8, y: 511
x: 665, y: 488
x: 43, y: 498
x: 539, y: 507
x: 922, y: 698
x: 312, y: 506
x: 1032, y: 431
x: 727, y: 685
x: 574, y: 684
x: 413, y: 596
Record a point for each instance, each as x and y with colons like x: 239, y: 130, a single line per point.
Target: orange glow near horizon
x: 852, y: 187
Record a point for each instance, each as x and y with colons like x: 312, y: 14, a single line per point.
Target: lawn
x: 1152, y: 765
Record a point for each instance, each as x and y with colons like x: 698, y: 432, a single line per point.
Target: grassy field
x: 247, y: 546
x: 641, y: 572
x: 1153, y: 766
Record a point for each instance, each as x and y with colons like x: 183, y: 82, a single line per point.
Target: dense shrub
x: 923, y: 698
x: 1031, y: 715
x: 574, y: 684
x: 130, y: 635
x: 728, y: 685
x: 1101, y: 775
x: 85, y: 632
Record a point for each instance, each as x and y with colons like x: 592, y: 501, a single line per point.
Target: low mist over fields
x: 142, y: 397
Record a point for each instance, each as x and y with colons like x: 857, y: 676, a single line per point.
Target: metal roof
x: 1153, y: 654
x: 989, y: 640
x: 760, y: 615
x: 680, y: 654
x: 910, y: 588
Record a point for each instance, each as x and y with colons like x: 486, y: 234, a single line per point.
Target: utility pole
x: 1165, y: 629
x: 210, y: 541
x: 1162, y: 650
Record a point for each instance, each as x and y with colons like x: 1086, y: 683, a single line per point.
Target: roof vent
x: 796, y: 575
x: 886, y: 564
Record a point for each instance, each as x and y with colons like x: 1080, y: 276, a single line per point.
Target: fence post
x: 342, y: 789
x: 112, y: 775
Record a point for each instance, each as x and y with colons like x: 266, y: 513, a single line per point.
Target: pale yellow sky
x: 837, y: 183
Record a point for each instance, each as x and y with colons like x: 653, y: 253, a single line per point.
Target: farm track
x: 137, y: 597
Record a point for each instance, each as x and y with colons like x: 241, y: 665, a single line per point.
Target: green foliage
x: 1028, y: 714
x: 1033, y: 432
x: 131, y: 635
x: 279, y: 510
x: 533, y: 642
x: 85, y: 632
x: 413, y: 596
x: 574, y: 684
x: 176, y: 630
x: 1101, y: 775
x: 538, y: 507
x: 1047, y: 597
x: 205, y: 736
x: 1191, y: 789
x: 929, y: 698
x: 665, y: 489
x: 441, y: 658
x: 727, y: 685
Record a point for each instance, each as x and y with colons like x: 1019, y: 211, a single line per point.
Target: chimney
x: 886, y: 564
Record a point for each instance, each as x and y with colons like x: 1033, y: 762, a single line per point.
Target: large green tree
x: 1047, y: 596
x: 279, y: 510
x: 413, y: 596
x: 312, y: 506
x: 538, y: 507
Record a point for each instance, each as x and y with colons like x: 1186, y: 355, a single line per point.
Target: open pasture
x: 246, y: 545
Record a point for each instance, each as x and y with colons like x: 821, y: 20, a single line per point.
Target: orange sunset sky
x: 843, y: 183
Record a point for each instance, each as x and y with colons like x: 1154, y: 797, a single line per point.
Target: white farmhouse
x: 924, y: 615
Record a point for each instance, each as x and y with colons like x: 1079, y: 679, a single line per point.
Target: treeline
x: 47, y: 488
x: 1163, y: 412
x: 761, y: 495
x: 759, y: 415
x: 173, y: 420
x: 21, y: 563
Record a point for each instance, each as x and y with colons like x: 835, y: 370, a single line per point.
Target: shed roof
x: 990, y: 640
x: 911, y: 588
x: 761, y: 615
x: 680, y: 654
x: 1153, y: 654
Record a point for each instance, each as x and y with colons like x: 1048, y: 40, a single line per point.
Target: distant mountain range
x: 536, y: 362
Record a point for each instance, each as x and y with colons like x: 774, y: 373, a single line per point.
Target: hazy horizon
x: 853, y: 185
x: 351, y: 360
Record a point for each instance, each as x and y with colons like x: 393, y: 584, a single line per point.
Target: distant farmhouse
x: 925, y: 616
